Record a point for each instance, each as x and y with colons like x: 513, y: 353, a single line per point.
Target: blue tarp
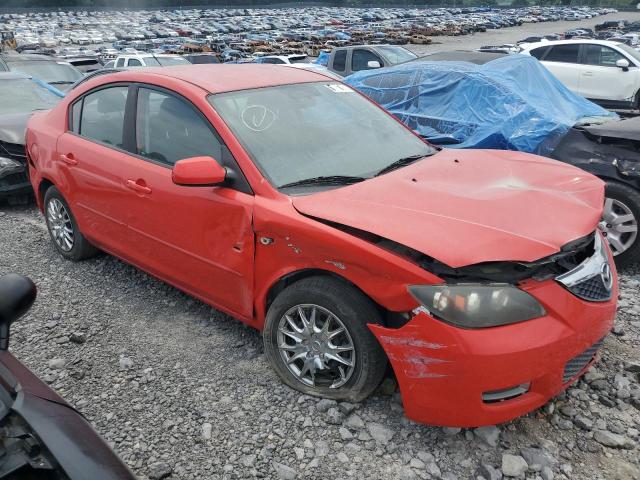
x: 323, y: 58
x: 512, y: 103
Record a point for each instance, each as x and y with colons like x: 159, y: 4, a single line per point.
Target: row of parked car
x: 247, y: 31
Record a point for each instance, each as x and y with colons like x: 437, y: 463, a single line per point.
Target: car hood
x: 628, y: 129
x: 12, y: 127
x: 463, y: 207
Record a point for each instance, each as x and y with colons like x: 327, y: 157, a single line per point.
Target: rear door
x: 91, y: 159
x: 198, y: 238
x: 600, y: 77
x: 562, y: 62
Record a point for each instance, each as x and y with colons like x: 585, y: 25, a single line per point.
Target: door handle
x: 587, y: 74
x: 135, y: 186
x: 68, y: 159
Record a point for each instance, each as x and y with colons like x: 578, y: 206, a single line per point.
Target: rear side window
x: 361, y: 58
x: 601, y: 56
x: 76, y: 110
x: 102, y: 116
x: 563, y: 53
x: 168, y: 129
x: 340, y: 61
x: 539, y: 52
x: 134, y: 62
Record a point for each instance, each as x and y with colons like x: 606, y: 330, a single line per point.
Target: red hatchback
x: 298, y: 206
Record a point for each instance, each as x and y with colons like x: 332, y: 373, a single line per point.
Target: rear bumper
x: 443, y: 371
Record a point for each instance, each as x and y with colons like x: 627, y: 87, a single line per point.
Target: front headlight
x: 8, y: 166
x: 478, y: 306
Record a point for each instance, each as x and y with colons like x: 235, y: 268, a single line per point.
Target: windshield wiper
x: 60, y: 82
x: 326, y: 180
x: 401, y: 162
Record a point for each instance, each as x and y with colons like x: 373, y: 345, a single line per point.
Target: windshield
x: 23, y: 95
x: 47, y: 71
x: 300, y: 59
x: 297, y: 132
x: 395, y: 55
x: 633, y: 53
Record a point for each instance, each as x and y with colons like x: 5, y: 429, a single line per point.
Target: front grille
x: 592, y: 289
x: 13, y: 150
x: 593, y: 279
x: 579, y: 362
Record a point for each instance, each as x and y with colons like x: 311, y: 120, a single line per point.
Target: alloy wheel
x: 618, y: 225
x: 316, y: 347
x: 60, y: 225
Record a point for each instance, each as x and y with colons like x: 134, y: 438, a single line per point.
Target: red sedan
x: 300, y: 207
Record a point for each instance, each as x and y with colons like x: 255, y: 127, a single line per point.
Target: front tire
x: 63, y: 228
x: 317, y: 340
x: 620, y: 222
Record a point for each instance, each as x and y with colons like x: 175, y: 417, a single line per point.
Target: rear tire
x: 622, y: 199
x: 63, y: 228
x: 339, y: 305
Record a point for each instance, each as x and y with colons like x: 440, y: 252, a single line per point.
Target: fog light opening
x: 496, y: 396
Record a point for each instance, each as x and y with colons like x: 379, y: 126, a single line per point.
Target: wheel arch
x: 295, y: 276
x: 43, y: 186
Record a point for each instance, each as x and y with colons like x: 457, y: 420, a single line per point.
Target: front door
x: 600, y: 77
x: 198, y: 238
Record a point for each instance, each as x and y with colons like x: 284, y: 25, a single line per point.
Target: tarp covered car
x: 511, y: 103
x: 514, y: 103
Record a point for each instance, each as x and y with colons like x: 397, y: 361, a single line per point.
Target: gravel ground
x: 183, y: 391
x: 513, y: 34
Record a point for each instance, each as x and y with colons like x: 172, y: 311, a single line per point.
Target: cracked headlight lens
x: 477, y: 306
x: 8, y: 166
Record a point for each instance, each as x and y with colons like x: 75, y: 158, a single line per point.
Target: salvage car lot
x: 216, y: 410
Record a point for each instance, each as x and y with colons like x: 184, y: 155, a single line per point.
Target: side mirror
x: 623, y: 63
x: 17, y: 294
x: 373, y: 64
x: 199, y: 172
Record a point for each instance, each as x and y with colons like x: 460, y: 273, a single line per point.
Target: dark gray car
x: 21, y: 96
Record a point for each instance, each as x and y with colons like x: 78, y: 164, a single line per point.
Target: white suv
x: 133, y: 60
x: 603, y: 71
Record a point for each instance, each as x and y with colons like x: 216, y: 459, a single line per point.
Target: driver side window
x: 601, y: 56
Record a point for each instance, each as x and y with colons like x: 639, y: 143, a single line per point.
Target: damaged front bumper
x: 450, y: 376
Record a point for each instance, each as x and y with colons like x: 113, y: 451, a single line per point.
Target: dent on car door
x: 562, y: 62
x: 600, y: 77
x: 90, y: 159
x: 199, y: 238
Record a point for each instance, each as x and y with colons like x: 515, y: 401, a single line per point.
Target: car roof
x: 479, y: 58
x: 148, y: 55
x: 222, y: 78
x: 606, y: 43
